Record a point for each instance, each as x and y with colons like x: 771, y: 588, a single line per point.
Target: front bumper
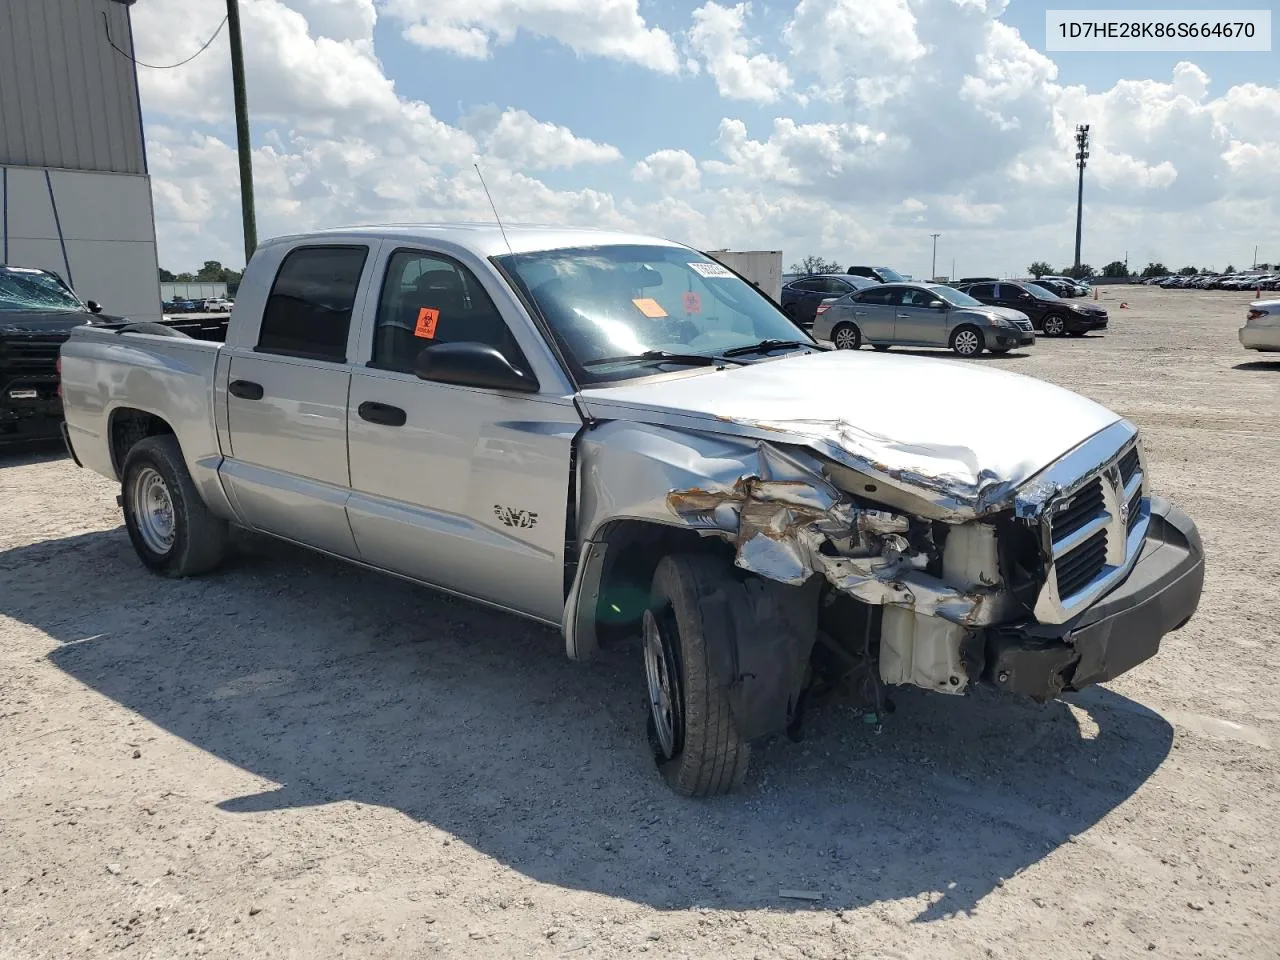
x: 29, y: 410
x: 1119, y: 631
x: 1005, y: 337
x: 1086, y: 322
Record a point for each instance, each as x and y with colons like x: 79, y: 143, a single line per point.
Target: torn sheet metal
x: 789, y: 522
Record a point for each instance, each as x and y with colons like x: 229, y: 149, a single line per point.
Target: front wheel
x: 967, y: 341
x: 846, y: 337
x: 691, y: 726
x: 1054, y: 326
x: 172, y: 530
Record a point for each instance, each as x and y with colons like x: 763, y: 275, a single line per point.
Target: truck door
x: 286, y: 397
x: 462, y: 487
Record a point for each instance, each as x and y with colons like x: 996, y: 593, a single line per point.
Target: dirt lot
x: 294, y: 758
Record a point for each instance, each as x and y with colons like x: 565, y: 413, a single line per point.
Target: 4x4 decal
x: 514, y: 517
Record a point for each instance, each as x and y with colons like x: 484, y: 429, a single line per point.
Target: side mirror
x: 469, y: 364
x: 1024, y: 296
x: 94, y: 306
x: 937, y: 305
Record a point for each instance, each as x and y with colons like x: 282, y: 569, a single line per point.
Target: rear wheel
x: 846, y: 337
x: 691, y: 726
x: 172, y: 530
x: 967, y: 341
x: 1054, y: 325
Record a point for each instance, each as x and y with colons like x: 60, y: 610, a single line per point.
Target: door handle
x: 245, y: 389
x: 904, y: 316
x: 382, y: 413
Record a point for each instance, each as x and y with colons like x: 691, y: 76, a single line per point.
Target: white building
x: 75, y: 197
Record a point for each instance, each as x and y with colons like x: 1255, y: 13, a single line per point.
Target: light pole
x: 933, y: 271
x: 1082, y: 157
x: 242, y: 131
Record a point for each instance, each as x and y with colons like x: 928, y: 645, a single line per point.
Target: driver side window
x: 428, y: 298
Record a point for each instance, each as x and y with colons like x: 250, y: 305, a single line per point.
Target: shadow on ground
x: 339, y: 684
x: 23, y: 453
x: 1258, y: 365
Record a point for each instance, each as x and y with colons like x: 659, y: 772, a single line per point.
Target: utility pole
x: 933, y: 271
x: 242, y: 131
x: 1082, y: 157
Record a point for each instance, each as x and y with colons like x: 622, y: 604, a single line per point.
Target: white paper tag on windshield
x: 711, y: 270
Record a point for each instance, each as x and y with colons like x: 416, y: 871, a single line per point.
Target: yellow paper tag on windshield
x: 650, y: 308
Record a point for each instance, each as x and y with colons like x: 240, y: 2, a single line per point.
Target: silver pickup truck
x: 619, y: 437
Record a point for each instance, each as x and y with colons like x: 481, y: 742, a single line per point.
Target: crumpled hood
x: 965, y: 434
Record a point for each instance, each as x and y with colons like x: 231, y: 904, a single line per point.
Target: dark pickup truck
x: 37, y: 314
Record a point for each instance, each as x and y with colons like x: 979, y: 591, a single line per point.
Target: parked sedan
x: 1048, y: 312
x: 800, y: 298
x: 1261, y: 330
x: 920, y: 315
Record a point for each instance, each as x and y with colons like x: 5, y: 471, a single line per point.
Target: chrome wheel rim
x: 153, y: 510
x: 846, y: 339
x: 966, y: 343
x: 664, y: 708
x: 1053, y: 327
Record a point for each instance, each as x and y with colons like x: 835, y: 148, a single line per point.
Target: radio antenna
x: 494, y: 207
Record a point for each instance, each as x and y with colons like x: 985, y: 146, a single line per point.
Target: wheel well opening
x: 128, y: 426
x: 635, y: 549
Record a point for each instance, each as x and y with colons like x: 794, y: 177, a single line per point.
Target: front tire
x: 691, y: 726
x: 1054, y: 326
x: 172, y: 530
x: 967, y: 341
x: 846, y: 336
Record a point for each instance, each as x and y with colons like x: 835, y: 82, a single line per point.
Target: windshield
x: 22, y: 289
x: 891, y: 276
x: 608, y: 305
x: 954, y: 297
x: 1039, y: 292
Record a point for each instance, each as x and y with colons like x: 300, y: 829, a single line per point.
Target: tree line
x: 211, y: 272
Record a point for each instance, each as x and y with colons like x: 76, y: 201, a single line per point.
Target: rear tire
x: 172, y: 530
x: 846, y: 336
x: 691, y: 726
x: 967, y: 341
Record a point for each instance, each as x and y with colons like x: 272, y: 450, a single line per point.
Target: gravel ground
x: 295, y: 758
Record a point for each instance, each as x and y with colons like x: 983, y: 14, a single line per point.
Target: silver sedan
x: 1261, y: 330
x: 920, y: 315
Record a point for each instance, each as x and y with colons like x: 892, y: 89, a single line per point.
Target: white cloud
x: 671, y: 170
x: 603, y: 28
x: 518, y: 138
x: 717, y: 36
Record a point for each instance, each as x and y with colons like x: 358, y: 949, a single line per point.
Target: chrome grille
x: 1081, y: 564
x: 1024, y: 325
x: 1094, y: 521
x: 1076, y: 513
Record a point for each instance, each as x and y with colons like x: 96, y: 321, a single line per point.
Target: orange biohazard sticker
x: 693, y: 302
x: 650, y: 308
x: 428, y: 317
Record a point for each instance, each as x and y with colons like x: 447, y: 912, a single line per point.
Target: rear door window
x: 308, y: 312
x: 980, y: 291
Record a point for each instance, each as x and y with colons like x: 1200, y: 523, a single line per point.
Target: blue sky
x: 848, y: 128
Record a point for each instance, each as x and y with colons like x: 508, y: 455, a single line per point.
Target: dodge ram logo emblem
x: 1124, y: 514
x: 513, y: 517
